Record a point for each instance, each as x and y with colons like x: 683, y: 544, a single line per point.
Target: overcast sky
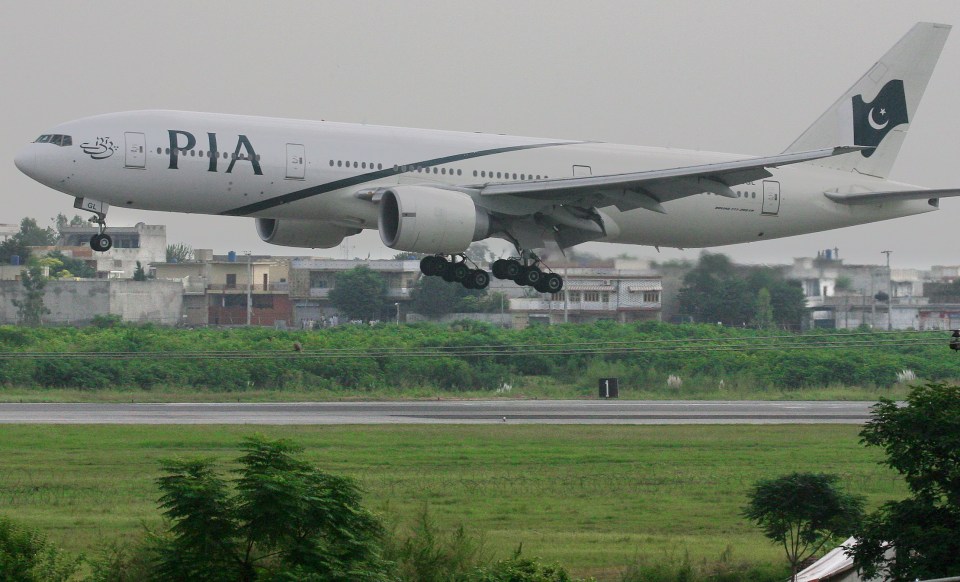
x: 744, y: 77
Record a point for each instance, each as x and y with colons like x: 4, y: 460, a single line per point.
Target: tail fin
x: 878, y: 109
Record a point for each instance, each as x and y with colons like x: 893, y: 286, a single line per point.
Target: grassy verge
x: 529, y: 388
x: 592, y: 497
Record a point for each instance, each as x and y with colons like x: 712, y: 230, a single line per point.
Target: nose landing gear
x: 100, y: 242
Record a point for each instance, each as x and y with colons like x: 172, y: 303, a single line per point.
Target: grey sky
x: 745, y: 77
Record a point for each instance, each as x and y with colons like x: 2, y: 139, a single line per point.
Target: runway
x: 445, y: 412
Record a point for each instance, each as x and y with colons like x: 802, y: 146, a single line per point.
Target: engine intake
x: 313, y: 234
x: 423, y: 219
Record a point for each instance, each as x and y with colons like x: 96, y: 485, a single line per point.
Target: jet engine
x: 314, y: 234
x: 423, y: 219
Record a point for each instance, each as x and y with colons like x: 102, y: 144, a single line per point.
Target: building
x: 625, y: 293
x: 142, y: 243
x: 312, y: 279
x: 875, y: 296
x: 216, y: 289
x: 8, y: 230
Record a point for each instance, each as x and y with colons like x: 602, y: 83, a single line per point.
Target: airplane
x: 313, y: 183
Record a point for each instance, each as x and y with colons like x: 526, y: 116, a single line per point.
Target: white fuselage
x: 292, y: 169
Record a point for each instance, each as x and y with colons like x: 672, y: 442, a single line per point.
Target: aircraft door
x: 296, y: 161
x: 771, y: 198
x: 579, y: 171
x: 136, y: 150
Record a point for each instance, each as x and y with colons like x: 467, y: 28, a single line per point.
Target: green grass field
x: 592, y: 497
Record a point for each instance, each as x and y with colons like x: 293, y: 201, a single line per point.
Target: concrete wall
x: 78, y: 302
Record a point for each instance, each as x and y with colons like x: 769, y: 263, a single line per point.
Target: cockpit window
x: 55, y: 138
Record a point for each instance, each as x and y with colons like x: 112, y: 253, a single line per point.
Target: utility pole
x: 249, y: 287
x: 889, y: 292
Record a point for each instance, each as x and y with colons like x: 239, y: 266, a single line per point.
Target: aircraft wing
x: 893, y: 196
x: 649, y: 189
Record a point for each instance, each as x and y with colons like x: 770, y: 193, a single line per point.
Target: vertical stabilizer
x: 877, y: 111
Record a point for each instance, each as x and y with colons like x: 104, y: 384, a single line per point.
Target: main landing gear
x: 524, y: 271
x: 455, y: 270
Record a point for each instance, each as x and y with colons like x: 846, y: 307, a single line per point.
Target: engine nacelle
x: 422, y: 219
x: 314, y: 234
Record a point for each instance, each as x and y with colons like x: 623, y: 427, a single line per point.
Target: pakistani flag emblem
x: 872, y: 121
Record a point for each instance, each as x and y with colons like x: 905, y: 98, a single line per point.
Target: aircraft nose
x: 26, y: 160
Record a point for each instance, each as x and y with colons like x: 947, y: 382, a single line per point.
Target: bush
x: 27, y: 556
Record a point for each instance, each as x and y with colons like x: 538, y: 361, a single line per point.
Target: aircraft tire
x: 529, y: 276
x: 101, y: 243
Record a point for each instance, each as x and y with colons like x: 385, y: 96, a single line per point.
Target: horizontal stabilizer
x: 894, y: 196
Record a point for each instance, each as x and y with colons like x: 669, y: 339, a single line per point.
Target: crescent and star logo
x: 100, y: 149
x: 873, y: 121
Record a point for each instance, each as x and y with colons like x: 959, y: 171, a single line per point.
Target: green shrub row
x: 355, y: 357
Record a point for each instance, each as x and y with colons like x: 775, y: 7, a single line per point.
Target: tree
x: 27, y: 556
x: 282, y: 520
x: 763, y: 316
x: 359, y: 293
x: 480, y: 252
x: 716, y: 290
x: 434, y: 297
x: 69, y: 266
x: 31, y: 309
x: 803, y: 512
x: 62, y: 222
x: 922, y: 442
x: 843, y: 283
x: 179, y: 253
x: 30, y: 235
x: 139, y: 274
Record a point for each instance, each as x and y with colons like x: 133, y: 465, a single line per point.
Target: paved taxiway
x: 444, y: 412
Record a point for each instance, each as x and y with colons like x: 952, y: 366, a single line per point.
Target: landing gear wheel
x: 456, y: 272
x: 432, y: 265
x: 550, y: 283
x: 529, y: 276
x: 477, y: 279
x: 510, y: 269
x: 500, y: 268
x: 101, y: 243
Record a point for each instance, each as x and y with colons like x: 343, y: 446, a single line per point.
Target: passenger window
x: 379, y: 166
x: 498, y: 174
x: 514, y: 176
x: 459, y: 172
